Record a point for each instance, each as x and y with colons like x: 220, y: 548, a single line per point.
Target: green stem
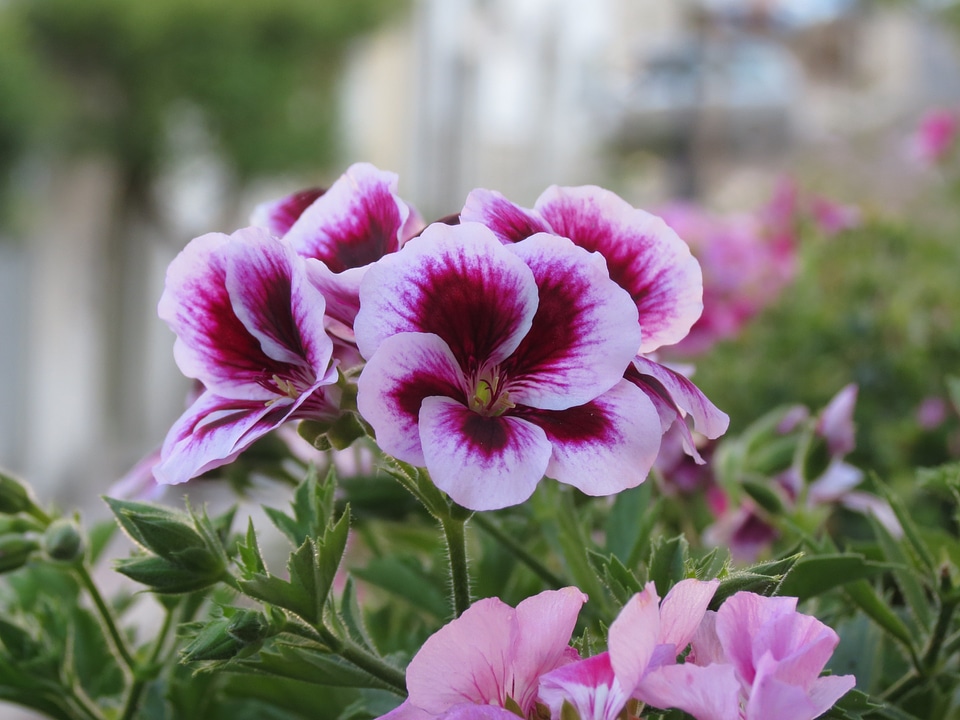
x: 106, y: 617
x: 454, y: 525
x: 939, y: 634
x: 518, y: 551
x: 391, y: 676
x: 139, y: 679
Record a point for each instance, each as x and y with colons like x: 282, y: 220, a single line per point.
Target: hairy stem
x: 106, y: 617
x: 454, y: 533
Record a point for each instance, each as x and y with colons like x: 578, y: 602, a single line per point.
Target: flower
x: 249, y: 321
x: 493, y: 365
x: 354, y: 223
x: 492, y: 655
x: 646, y: 258
x: 934, y: 136
x: 776, y: 654
x: 646, y: 637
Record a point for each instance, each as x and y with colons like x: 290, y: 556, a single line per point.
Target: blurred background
x: 128, y: 128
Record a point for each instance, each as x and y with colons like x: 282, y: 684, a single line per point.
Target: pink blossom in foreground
x: 490, y: 656
x: 354, y: 223
x: 249, y: 322
x: 646, y: 258
x: 492, y: 365
x: 644, y: 641
x: 776, y: 653
x: 935, y: 136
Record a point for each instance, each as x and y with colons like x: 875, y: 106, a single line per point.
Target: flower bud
x: 248, y: 626
x: 63, y: 540
x: 15, y: 550
x: 14, y: 496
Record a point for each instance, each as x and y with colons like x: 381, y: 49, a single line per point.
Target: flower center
x: 489, y: 396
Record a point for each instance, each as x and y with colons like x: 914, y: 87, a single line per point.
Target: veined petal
x: 589, y: 686
x: 278, y: 216
x: 509, y: 222
x: 356, y: 222
x: 643, y: 254
x: 773, y: 698
x: 483, y: 463
x: 456, y: 281
x: 270, y: 295
x: 212, y: 345
x: 407, y: 368
x: 706, y: 693
x: 545, y: 623
x: 825, y: 691
x: 584, y: 333
x: 682, y: 610
x: 633, y: 637
x: 687, y: 398
x: 341, y: 292
x: 469, y: 711
x: 604, y: 446
x: 739, y: 620
x: 467, y: 660
x: 212, y: 432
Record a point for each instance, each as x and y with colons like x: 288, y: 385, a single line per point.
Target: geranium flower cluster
x: 494, y: 348
x: 755, y: 658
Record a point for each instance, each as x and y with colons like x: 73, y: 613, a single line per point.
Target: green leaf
x: 863, y: 594
x: 761, y: 584
x: 764, y: 495
x: 164, y: 576
x: 905, y: 574
x: 910, y: 530
x: 813, y: 575
x: 630, y: 522
x: 668, y: 562
x: 405, y: 578
x: 250, y: 559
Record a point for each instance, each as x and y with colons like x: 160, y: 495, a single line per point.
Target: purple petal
x: 278, y: 216
x: 212, y: 345
x: 633, y: 637
x: 837, y: 481
x: 740, y: 618
x: 509, y: 222
x: 469, y: 711
x: 584, y: 333
x: 589, y: 686
x: 604, y: 446
x: 341, y: 292
x: 483, y: 463
x: 213, y: 432
x: 392, y: 387
x: 825, y: 691
x: 706, y: 693
x: 356, y: 222
x: 771, y: 697
x: 682, y: 610
x: 271, y: 296
x: 643, y: 254
x: 686, y: 397
x: 455, y: 281
x: 836, y: 422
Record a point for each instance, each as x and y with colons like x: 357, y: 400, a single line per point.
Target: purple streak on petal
x: 708, y: 420
x: 213, y: 432
x: 633, y: 637
x: 483, y: 463
x: 455, y: 281
x: 269, y: 294
x: 356, y: 222
x: 212, y: 344
x: 706, y: 693
x: 589, y: 686
x: 643, y: 254
x: 682, y: 611
x: 604, y: 446
x: 509, y: 222
x: 584, y: 333
x: 278, y: 216
x: 392, y: 387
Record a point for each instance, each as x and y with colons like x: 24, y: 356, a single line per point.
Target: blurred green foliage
x: 105, y: 75
x: 875, y: 306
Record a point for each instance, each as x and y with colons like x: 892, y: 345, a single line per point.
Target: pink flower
x: 646, y: 258
x: 354, y: 223
x: 490, y: 656
x: 644, y: 640
x: 493, y: 365
x: 934, y: 136
x: 249, y: 322
x: 776, y: 654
